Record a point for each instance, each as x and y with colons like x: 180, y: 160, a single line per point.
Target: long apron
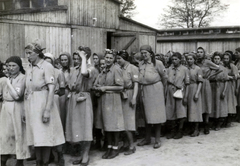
x: 129, y: 112
x: 79, y: 122
x: 194, y: 109
x: 219, y: 106
x: 154, y: 103
x: 175, y: 108
x: 206, y: 93
x: 39, y: 133
x: 13, y: 130
x: 112, y: 112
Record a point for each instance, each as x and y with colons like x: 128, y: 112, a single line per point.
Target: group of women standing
x: 46, y: 106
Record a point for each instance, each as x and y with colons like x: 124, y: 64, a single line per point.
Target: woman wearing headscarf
x: 130, y: 78
x: 112, y: 112
x: 219, y: 85
x: 152, y: 78
x: 232, y: 71
x: 79, y: 123
x: 207, y: 67
x: 194, y: 103
x: 178, y: 80
x: 12, y: 124
x: 65, y: 61
x: 44, y: 128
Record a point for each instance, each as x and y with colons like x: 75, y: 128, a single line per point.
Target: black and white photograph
x: 119, y: 82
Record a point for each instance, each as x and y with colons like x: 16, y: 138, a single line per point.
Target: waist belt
x: 215, y: 81
x: 36, y: 89
x: 150, y: 83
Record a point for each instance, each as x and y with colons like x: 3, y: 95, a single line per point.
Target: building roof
x: 196, y: 29
x: 138, y: 23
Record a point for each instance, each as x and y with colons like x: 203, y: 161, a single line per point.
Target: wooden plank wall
x: 130, y: 26
x: 11, y: 42
x: 145, y: 39
x: 106, y: 12
x: 120, y: 42
x: 14, y: 37
x: 95, y: 38
x: 209, y: 46
x: 49, y: 17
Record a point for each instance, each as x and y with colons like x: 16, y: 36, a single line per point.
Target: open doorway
x: 109, y: 40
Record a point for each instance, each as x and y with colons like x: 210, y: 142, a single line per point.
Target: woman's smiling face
x: 109, y: 59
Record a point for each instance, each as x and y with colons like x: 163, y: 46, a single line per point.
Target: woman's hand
x: 82, y: 54
x: 133, y: 102
x: 46, y: 116
x: 23, y: 119
x: 222, y: 95
x: 102, y: 89
x: 195, y: 98
x: 184, y: 101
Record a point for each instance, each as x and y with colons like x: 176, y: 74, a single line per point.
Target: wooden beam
x: 51, y: 24
x: 199, y: 37
x: 129, y: 43
x: 124, y: 34
x: 34, y: 23
x: 32, y: 10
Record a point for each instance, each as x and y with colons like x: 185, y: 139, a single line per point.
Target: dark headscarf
x: 124, y: 54
x: 177, y: 54
x: 149, y: 49
x: 37, y: 48
x: 18, y: 61
x: 200, y: 48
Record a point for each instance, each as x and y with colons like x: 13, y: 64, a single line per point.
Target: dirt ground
x: 219, y: 148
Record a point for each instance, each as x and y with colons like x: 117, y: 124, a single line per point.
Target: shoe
x: 85, y: 164
x: 157, y: 145
x: 76, y: 162
x: 144, y: 142
x: 195, y: 133
x: 178, y: 135
x: 130, y: 151
x: 206, y: 129
x: 113, y: 153
x: 123, y: 149
x: 105, y: 156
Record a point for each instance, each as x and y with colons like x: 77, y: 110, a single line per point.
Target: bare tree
x: 127, y: 7
x: 191, y: 13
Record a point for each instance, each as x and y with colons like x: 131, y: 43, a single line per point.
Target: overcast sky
x: 148, y: 12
